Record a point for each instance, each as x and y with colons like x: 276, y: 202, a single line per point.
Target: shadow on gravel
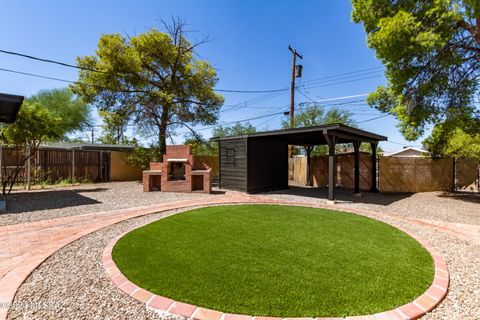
x: 44, y: 200
x: 462, y: 196
x: 343, y: 195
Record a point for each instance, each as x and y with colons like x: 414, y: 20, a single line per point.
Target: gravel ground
x: 74, y: 274
x: 443, y: 206
x: 72, y: 284
x: 51, y: 203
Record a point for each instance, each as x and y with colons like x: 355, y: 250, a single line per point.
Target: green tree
x: 64, y: 104
x: 462, y: 145
x: 201, y: 146
x: 114, y: 127
x: 448, y: 140
x: 316, y: 115
x: 431, y: 53
x: 34, y: 125
x: 237, y: 129
x: 152, y: 79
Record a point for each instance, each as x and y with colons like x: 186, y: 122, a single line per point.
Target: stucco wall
x: 121, y: 169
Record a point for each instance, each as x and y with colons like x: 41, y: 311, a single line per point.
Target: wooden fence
x: 319, y: 171
x: 395, y: 174
x: 465, y: 174
x: 398, y: 174
x: 50, y: 164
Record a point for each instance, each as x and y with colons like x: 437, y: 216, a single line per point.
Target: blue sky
x: 248, y: 46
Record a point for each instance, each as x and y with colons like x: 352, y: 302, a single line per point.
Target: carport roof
x: 313, y: 135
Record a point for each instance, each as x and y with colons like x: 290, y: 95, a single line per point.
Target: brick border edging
x: 410, y: 311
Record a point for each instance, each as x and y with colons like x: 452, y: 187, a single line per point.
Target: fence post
x: 73, y: 166
x: 455, y: 181
x: 37, y: 164
x: 27, y: 168
x: 1, y: 162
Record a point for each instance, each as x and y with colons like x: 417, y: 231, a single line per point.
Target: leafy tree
x: 202, y: 147
x: 152, y: 80
x: 235, y: 130
x: 141, y: 156
x: 34, y: 125
x: 431, y: 52
x: 316, y: 115
x: 114, y: 127
x: 63, y: 103
x: 448, y: 140
x: 462, y: 145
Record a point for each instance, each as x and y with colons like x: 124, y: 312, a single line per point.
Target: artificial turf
x: 276, y: 261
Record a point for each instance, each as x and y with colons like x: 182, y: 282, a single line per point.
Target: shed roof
x: 313, y: 135
x: 88, y: 146
x: 9, y: 106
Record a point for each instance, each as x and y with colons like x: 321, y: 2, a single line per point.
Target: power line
x: 343, y: 98
x: 63, y: 80
x: 35, y: 75
x: 308, y: 83
x: 238, y: 121
x: 251, y: 91
x: 100, y: 71
x: 342, y: 75
x: 327, y: 84
x: 47, y: 60
x: 379, y: 117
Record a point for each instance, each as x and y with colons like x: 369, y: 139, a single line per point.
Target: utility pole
x: 295, y: 54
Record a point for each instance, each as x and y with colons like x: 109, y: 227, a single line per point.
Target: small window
x: 230, y: 156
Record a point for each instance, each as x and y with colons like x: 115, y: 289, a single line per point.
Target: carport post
x: 356, y: 149
x: 332, y: 166
x: 374, y: 166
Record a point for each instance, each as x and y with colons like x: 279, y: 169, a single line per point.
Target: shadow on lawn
x: 343, y: 195
x: 44, y: 200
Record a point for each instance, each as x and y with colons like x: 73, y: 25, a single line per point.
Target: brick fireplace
x: 178, y: 172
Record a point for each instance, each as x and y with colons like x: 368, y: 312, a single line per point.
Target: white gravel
x: 442, y: 206
x: 25, y: 206
x: 74, y: 275
x: 72, y: 284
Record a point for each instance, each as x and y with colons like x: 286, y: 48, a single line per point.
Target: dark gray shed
x: 259, y: 162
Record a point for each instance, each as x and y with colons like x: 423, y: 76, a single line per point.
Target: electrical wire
x: 366, y: 70
x: 379, y: 117
x: 306, y: 84
x: 47, y: 60
x: 100, y: 71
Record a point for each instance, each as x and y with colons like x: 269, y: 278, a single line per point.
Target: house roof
x: 405, y: 150
x: 313, y: 135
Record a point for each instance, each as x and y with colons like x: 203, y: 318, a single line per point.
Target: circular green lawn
x: 275, y: 260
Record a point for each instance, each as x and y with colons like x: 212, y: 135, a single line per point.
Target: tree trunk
x: 162, y: 140
x: 162, y: 132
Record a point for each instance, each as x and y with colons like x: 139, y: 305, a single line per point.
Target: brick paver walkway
x: 24, y: 246
x: 466, y: 232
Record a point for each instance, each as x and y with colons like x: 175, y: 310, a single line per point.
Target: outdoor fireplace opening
x: 176, y: 170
